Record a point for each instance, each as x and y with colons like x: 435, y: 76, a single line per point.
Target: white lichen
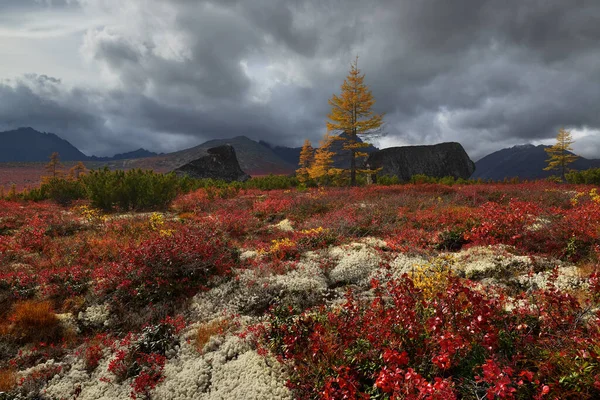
x: 95, y: 316
x: 491, y: 262
x: 353, y: 263
x: 284, y: 226
x: 227, y: 369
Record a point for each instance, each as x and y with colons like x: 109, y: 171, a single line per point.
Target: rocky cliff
x: 218, y: 163
x: 439, y: 160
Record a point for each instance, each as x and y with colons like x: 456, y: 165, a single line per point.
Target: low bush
x: 130, y: 190
x: 35, y: 321
x: 589, y: 176
x: 164, y: 268
x: 457, y: 343
x: 8, y: 380
x: 143, y: 357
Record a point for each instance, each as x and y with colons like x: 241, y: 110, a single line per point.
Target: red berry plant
x: 463, y: 342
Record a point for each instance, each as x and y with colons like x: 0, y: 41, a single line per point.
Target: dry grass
x: 8, y: 380
x: 35, y: 321
x: 73, y: 304
x: 208, y: 330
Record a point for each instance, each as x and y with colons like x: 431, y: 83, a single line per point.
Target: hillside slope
x: 524, y: 161
x: 254, y: 158
x: 29, y: 145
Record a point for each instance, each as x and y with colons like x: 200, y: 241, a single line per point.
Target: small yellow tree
x: 53, y: 166
x: 560, y: 155
x: 77, y: 170
x: 307, y: 158
x: 351, y: 116
x: 321, y: 169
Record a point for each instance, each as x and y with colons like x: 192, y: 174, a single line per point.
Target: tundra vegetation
x: 415, y: 291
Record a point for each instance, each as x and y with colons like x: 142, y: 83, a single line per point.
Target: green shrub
x: 60, y: 190
x: 387, y: 180
x: 589, y: 176
x: 131, y: 190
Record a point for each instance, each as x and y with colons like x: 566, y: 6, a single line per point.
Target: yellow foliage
x: 575, y: 199
x: 433, y: 277
x: 307, y: 158
x: 166, y: 232
x: 323, y: 160
x: 53, y: 167
x: 157, y: 220
x: 280, y: 244
x: 559, y: 153
x: 352, y: 116
x: 208, y: 330
x: 351, y: 111
x: 314, y: 231
x: 595, y: 196
x: 91, y: 215
x: 77, y: 171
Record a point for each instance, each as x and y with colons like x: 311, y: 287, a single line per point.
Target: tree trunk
x: 352, y: 167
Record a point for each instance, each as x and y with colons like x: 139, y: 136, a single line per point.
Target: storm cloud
x: 110, y: 75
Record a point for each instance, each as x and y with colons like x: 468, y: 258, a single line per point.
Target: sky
x: 114, y: 75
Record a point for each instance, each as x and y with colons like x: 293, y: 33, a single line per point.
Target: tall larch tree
x: 307, y: 158
x: 560, y: 153
x: 351, y: 115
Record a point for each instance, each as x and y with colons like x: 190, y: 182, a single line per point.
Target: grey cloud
x: 483, y: 72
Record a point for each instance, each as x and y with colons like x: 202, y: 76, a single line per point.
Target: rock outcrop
x: 218, y: 163
x: 439, y: 160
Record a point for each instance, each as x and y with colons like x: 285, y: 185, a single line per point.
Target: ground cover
x: 419, y: 291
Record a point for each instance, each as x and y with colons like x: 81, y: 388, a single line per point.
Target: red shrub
x: 166, y: 267
x: 460, y: 343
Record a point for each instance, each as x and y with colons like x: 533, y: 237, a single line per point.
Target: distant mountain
x: 139, y: 153
x: 340, y: 160
x: 524, y: 161
x: 291, y: 155
x: 254, y: 158
x: 29, y: 145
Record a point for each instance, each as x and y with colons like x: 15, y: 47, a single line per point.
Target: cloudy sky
x: 115, y: 75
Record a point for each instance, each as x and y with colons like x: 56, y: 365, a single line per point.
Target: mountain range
x: 29, y: 145
x: 26, y: 145
x: 524, y: 161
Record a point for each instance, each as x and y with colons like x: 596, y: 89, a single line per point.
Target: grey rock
x: 218, y: 163
x: 439, y: 160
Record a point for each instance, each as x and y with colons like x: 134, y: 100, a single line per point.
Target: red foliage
x: 166, y: 266
x: 461, y: 343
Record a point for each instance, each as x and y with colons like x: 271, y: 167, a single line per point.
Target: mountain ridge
x: 26, y: 144
x: 526, y: 161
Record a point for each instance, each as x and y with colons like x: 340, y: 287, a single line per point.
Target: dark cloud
x: 485, y: 73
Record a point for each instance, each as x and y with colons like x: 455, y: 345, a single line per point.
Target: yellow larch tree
x: 53, y: 168
x: 560, y: 153
x: 351, y: 116
x: 321, y: 169
x: 307, y: 158
x: 77, y: 170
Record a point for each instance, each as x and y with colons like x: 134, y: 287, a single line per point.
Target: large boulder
x: 439, y: 160
x: 218, y: 163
